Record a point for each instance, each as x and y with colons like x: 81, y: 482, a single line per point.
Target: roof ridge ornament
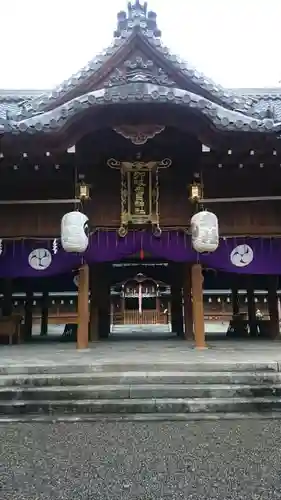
x: 270, y: 112
x: 137, y: 8
x: 137, y: 18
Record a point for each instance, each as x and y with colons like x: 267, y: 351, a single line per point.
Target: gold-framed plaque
x: 139, y: 193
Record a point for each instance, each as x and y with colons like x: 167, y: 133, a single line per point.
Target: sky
x: 234, y: 42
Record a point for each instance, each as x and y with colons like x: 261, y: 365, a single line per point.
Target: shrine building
x: 138, y: 184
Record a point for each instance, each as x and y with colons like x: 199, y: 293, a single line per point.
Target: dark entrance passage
x: 141, y: 302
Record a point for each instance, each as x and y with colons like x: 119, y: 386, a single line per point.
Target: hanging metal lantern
x: 83, y: 191
x: 74, y: 232
x: 156, y: 230
x: 204, y: 232
x: 195, y: 192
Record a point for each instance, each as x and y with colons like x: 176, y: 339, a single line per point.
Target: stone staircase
x: 131, y: 329
x: 147, y: 390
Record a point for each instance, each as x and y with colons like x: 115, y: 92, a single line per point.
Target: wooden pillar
x: 176, y: 309
x: 104, y: 315
x: 94, y: 323
x: 122, y: 303
x: 83, y: 308
x: 157, y: 306
x: 273, y: 307
x: 169, y: 313
x: 252, y: 311
x: 28, y: 320
x: 187, y: 299
x: 198, y: 306
x: 235, y: 301
x: 7, y: 304
x: 44, y: 314
x: 104, y: 302
x: 94, y: 286
x: 112, y: 309
x: 176, y: 280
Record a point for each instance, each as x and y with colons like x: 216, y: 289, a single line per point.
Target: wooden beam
x: 273, y: 307
x: 187, y: 301
x: 94, y: 320
x: 83, y: 308
x: 252, y: 310
x: 7, y: 302
x: 44, y: 313
x: 198, y: 306
x: 28, y: 316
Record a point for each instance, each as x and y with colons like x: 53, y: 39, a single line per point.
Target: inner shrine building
x: 116, y: 165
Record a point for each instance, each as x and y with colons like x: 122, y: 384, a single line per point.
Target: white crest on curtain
x: 74, y: 232
x: 204, y: 232
x: 40, y: 259
x: 241, y: 255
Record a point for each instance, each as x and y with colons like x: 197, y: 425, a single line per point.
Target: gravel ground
x: 199, y: 460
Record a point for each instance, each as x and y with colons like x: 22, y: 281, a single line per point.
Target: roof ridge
x: 18, y: 92
x: 137, y: 19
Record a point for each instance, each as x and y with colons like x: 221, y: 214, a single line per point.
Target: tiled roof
x: 222, y: 118
x: 11, y: 100
x: 227, y: 109
x: 264, y: 99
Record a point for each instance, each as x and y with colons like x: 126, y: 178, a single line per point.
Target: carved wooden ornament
x: 139, y: 134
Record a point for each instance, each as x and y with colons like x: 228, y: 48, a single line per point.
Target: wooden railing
x: 56, y: 319
x: 148, y: 317
x: 10, y: 327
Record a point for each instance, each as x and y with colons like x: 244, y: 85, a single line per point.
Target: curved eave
x: 225, y: 97
x: 48, y: 100
x: 220, y: 118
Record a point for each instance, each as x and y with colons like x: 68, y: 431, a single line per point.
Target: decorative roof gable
x: 136, y: 23
x: 137, y: 67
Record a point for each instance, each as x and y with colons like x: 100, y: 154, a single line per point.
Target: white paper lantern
x: 205, y: 232
x: 74, y: 232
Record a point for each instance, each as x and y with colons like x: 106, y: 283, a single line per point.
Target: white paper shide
x: 74, y: 232
x: 205, y: 232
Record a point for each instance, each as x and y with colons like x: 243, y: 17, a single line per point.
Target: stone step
x: 146, y: 391
x: 266, y: 378
x: 140, y: 417
x: 140, y: 406
x: 164, y: 366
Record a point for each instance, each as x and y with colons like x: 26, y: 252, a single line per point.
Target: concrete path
x: 211, y: 327
x: 131, y: 352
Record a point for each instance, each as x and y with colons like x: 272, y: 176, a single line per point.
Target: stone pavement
x: 165, y: 378
x: 140, y: 352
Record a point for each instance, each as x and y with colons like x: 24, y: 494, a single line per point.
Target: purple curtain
x: 31, y: 258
